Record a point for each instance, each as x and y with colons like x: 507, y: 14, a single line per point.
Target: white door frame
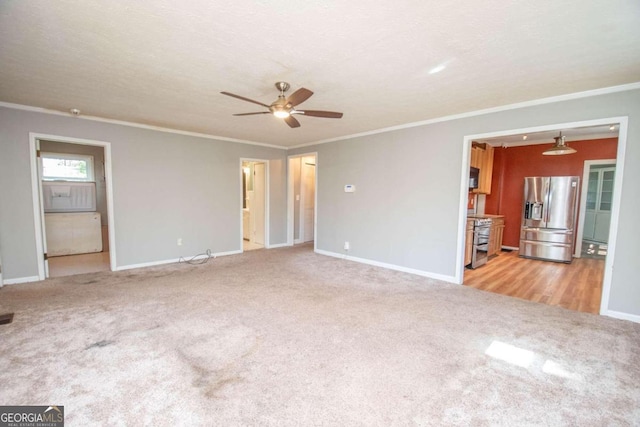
x: 583, y: 198
x: 38, y: 209
x: 621, y: 121
x: 291, y: 201
x: 39, y: 171
x: 266, y: 200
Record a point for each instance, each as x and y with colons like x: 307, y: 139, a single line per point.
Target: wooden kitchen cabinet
x: 486, y: 171
x: 495, y: 236
x: 468, y: 242
x: 475, y: 157
x: 482, y: 158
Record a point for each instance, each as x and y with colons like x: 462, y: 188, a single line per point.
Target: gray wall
x: 165, y: 186
x: 406, y: 205
x: 98, y: 168
x: 404, y: 212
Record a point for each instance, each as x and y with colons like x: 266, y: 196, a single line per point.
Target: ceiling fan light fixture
x: 281, y: 108
x: 281, y: 114
x: 559, y: 148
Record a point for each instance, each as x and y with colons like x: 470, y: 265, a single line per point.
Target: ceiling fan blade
x: 299, y: 96
x: 292, y: 122
x: 317, y: 113
x: 251, y: 114
x: 244, y: 99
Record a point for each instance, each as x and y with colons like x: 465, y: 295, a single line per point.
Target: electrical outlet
x: 179, y: 241
x: 346, y: 246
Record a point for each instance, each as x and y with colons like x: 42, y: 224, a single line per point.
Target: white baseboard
x: 217, y: 254
x: 147, y: 264
x: 297, y: 241
x: 444, y: 278
x: 20, y: 280
x: 171, y: 261
x: 513, y: 248
x: 623, y: 316
x: 278, y: 245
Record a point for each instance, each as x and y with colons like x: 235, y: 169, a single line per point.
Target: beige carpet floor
x: 285, y: 337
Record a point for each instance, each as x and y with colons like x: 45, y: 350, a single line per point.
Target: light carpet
x: 286, y: 337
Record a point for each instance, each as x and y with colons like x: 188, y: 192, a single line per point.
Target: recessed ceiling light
x: 612, y: 127
x: 75, y: 111
x: 524, y: 138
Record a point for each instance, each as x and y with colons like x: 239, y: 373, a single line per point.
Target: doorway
x: 254, y: 175
x: 595, y: 208
x: 73, y: 213
x: 302, y: 198
x: 536, y: 280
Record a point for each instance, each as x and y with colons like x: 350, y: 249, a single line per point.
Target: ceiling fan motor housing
x: 281, y: 105
x: 282, y: 87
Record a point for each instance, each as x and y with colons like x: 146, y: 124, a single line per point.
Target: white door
x: 308, y: 190
x: 597, y: 218
x: 258, y: 205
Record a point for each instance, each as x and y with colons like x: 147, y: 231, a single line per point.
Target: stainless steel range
x: 481, y: 232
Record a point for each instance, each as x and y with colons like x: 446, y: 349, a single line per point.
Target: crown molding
x: 541, y: 101
x: 137, y: 125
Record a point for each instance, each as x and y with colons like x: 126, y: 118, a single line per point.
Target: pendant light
x: 559, y: 148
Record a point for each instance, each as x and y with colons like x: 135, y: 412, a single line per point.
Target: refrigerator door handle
x: 547, y: 192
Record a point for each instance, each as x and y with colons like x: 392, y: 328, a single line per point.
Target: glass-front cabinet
x: 599, y: 202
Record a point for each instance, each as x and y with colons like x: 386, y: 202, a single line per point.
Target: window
x: 68, y: 167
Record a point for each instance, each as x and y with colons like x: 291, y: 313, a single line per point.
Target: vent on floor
x: 6, y: 318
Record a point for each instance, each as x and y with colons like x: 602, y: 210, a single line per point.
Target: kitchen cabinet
x: 482, y: 158
x: 495, y: 236
x: 475, y: 157
x: 597, y: 219
x: 468, y: 242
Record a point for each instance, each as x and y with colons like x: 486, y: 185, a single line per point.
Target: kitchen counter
x: 474, y: 216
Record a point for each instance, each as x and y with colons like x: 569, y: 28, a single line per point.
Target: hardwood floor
x: 248, y: 246
x: 576, y: 286
x: 69, y: 265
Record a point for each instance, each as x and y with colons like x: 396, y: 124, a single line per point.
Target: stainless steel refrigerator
x: 549, y: 217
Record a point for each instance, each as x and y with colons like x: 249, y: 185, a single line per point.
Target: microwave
x: 474, y: 177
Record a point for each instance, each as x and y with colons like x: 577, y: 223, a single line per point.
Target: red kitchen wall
x: 512, y: 165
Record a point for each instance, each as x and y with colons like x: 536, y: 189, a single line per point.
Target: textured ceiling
x: 164, y: 63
